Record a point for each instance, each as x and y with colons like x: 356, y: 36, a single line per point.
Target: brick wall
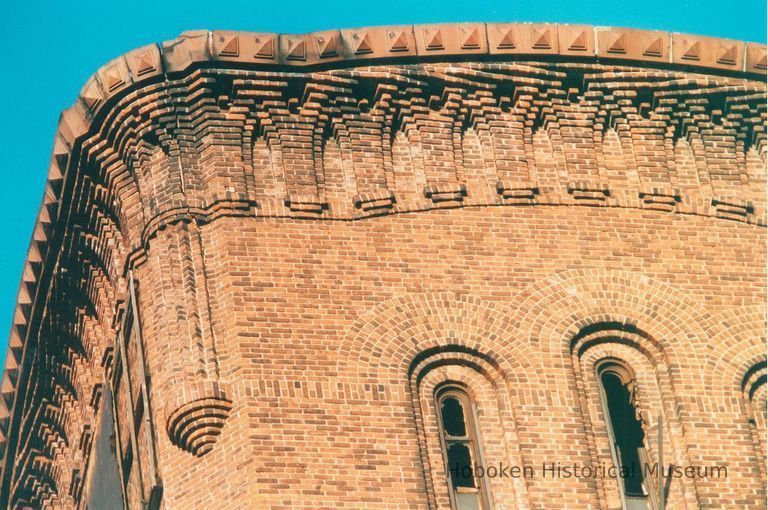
x: 320, y: 325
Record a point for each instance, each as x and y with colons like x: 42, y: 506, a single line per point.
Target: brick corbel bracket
x: 199, y: 404
x: 660, y: 199
x: 374, y: 201
x: 446, y: 193
x: 589, y: 193
x: 513, y: 193
x: 195, y: 422
x: 732, y: 208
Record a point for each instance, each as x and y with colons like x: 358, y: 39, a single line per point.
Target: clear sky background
x: 51, y: 48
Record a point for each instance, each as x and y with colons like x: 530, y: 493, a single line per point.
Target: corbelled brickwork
x: 264, y: 253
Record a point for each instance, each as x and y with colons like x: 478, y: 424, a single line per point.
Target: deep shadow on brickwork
x: 338, y: 270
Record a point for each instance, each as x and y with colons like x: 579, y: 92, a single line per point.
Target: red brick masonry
x: 271, y: 249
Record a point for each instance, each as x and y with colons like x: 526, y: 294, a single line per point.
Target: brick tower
x: 465, y: 266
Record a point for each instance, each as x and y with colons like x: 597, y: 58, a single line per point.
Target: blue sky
x: 51, y: 48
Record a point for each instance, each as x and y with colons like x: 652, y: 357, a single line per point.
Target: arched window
x: 617, y: 385
x: 754, y: 390
x: 461, y: 449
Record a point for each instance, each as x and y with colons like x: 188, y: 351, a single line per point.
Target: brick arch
x: 496, y: 424
x: 736, y: 353
x: 552, y: 312
x: 386, y: 342
x: 736, y: 345
x: 435, y: 358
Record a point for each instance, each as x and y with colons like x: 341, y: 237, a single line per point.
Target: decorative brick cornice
x: 406, y: 43
x: 685, y: 115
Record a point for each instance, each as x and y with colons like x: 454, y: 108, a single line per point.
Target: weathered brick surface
x: 315, y: 249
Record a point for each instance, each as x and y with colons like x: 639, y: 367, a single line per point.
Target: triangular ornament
x: 91, y: 96
x: 144, y: 63
x: 727, y: 55
x: 470, y: 38
x: 112, y: 78
x: 655, y: 48
x: 329, y: 46
x: 364, y: 44
x: 693, y: 52
x: 507, y: 40
x: 619, y: 45
x: 298, y: 50
x: 541, y: 39
x: 433, y: 39
x: 265, y: 48
x: 579, y: 43
x: 232, y: 48
x: 399, y: 41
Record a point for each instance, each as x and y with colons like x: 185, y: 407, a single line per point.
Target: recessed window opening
x: 617, y: 385
x: 461, y: 449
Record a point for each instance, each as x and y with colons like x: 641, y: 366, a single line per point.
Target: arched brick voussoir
x: 553, y: 311
x: 386, y: 343
x: 737, y: 343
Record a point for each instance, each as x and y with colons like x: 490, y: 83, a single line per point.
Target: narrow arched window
x: 461, y: 450
x: 617, y: 386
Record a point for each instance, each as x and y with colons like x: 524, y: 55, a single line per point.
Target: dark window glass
x: 453, y: 417
x: 627, y: 431
x: 460, y: 465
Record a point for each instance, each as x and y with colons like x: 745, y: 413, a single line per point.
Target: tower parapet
x: 337, y: 126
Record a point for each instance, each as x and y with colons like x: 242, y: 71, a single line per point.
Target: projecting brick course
x: 273, y: 249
